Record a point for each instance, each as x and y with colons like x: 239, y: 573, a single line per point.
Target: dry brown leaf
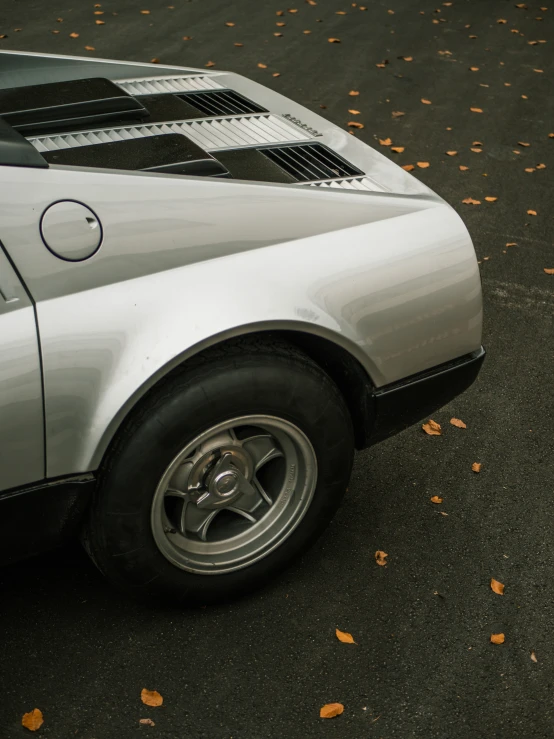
x: 147, y: 721
x: 432, y: 428
x: 354, y: 112
x: 355, y: 93
x: 355, y: 124
x: 462, y: 168
x: 32, y: 720
x: 262, y: 66
x: 408, y: 167
x: 497, y: 587
x: 154, y: 60
x: 423, y: 165
x: 334, y: 40
x: 533, y: 657
x: 90, y: 48
x: 145, y: 12
x: 531, y: 212
x: 381, y: 558
x: 458, y: 423
x: 100, y: 23
x: 490, y: 199
x: 436, y: 499
x: 330, y: 710
x: 548, y: 270
x: 541, y: 166
x: 280, y: 12
x: 151, y: 697
x: 397, y: 149
x: 426, y: 102
x: 397, y: 114
x: 476, y: 110
x: 210, y: 64
x: 474, y: 69
x: 498, y: 638
x: 476, y: 149
x: 476, y: 466
x: 344, y: 637
x: 276, y: 74
x: 451, y: 153
x: 74, y: 35
x: 385, y: 142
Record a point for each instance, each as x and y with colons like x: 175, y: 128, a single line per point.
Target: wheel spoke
x: 262, y: 448
x: 245, y: 515
x: 179, y: 479
x: 250, y: 498
x: 260, y: 488
x: 196, y: 520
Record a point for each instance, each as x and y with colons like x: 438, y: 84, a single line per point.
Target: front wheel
x: 226, y: 473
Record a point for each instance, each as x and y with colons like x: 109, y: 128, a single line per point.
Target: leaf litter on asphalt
x: 344, y: 637
x: 33, y: 720
x: 151, y: 698
x: 330, y: 710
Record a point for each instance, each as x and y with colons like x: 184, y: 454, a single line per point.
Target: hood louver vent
x: 222, y: 103
x: 307, y: 162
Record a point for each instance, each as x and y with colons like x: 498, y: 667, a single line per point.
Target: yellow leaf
x: 407, y: 58
x: 385, y: 142
x: 355, y: 124
x: 281, y: 24
x: 74, y: 35
x: 490, y: 199
x: 408, y: 167
x: 276, y: 74
x: 344, y: 637
x: 458, y: 423
x: 145, y: 12
x: 474, y: 69
x: 462, y: 168
x: 501, y: 20
x: 498, y: 638
x: 262, y: 66
x: 548, y: 270
x: 397, y: 149
x: 151, y: 697
x: 292, y: 10
x: 476, y: 466
x: 423, y: 165
x: 90, y: 48
x: 432, y: 428
x: 277, y: 33
x: 497, y: 587
x: 426, y: 102
x: 354, y: 112
x: 436, y: 499
x: 355, y: 93
x: 531, y: 212
x: 381, y: 558
x: 229, y: 24
x: 334, y: 40
x: 32, y: 720
x: 306, y: 32
x: 476, y: 110
x: 330, y: 710
x: 451, y: 153
x: 476, y: 149
x: 471, y: 201
x: 100, y: 23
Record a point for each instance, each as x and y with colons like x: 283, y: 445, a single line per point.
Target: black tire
x: 242, y: 378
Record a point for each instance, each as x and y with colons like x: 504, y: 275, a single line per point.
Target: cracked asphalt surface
x: 423, y: 665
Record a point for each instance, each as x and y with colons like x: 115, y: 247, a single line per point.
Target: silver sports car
x: 209, y: 298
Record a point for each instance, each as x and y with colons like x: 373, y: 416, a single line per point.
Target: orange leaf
x: 432, y: 428
x: 237, y: 43
x: 408, y: 167
x: 462, y: 168
x: 276, y: 74
x: 98, y: 12
x: 512, y: 243
x: 397, y: 114
x: 381, y: 558
x: 344, y: 637
x: 451, y: 153
x: 354, y: 112
x: 292, y: 10
x: 32, y: 720
x: 531, y: 212
x: 277, y: 33
x: 334, y: 40
x: 538, y: 70
x: 355, y: 124
x: 154, y: 60
x: 355, y: 93
x: 435, y: 499
x: 311, y: 2
x: 74, y: 35
x: 476, y: 149
x: 476, y: 110
x: 151, y: 697
x: 385, y: 142
x: 423, y: 165
x: 471, y: 201
x: 490, y: 199
x: 281, y: 24
x: 340, y: 12
x: 210, y: 64
x: 146, y: 721
x: 100, y: 23
x: 477, y: 143
x: 390, y: 12
x: 306, y: 32
x: 476, y: 466
x: 541, y: 166
x: 458, y: 423
x: 497, y: 587
x: 229, y: 24
x: 498, y: 638
x: 330, y: 710
x: 407, y: 58
x: 145, y: 12
x: 548, y: 270
x: 397, y: 149
x: 501, y: 20
x: 523, y: 143
x: 533, y: 657
x: 474, y: 69
x: 188, y: 38
x: 426, y: 102
x: 280, y: 12
x: 90, y: 48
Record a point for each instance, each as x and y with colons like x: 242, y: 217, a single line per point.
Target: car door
x: 21, y: 403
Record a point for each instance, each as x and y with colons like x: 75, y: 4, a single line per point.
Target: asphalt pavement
x: 423, y: 665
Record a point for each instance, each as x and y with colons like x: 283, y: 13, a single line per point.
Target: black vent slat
x: 222, y: 102
x: 311, y: 162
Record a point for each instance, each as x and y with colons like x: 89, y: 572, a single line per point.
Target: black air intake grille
x: 307, y: 162
x: 222, y: 102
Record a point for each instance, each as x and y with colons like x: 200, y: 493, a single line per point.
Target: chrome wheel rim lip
x: 282, y: 517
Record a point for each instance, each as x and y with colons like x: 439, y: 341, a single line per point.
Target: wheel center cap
x: 226, y: 484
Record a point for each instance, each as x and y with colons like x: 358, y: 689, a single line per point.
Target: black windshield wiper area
x: 39, y: 108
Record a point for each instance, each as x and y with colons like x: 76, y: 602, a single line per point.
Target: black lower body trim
x: 41, y: 517
x: 403, y: 403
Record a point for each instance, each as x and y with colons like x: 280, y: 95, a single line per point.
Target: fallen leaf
x: 154, y: 60
x: 397, y: 149
x: 408, y: 167
x: 538, y: 70
x: 311, y: 2
x: 74, y: 35
x: 354, y: 112
x: 90, y: 48
x: 280, y: 24
x: 262, y: 66
x: 32, y: 720
x: 532, y: 43
x: 435, y: 499
x: 98, y: 12
x: 385, y: 142
x: 100, y: 23
x: 407, y: 58
x: 334, y: 40
x: 511, y: 243
x: 7, y: 37
x: 381, y: 558
x: 237, y: 43
x: 476, y: 466
x: 476, y: 149
x: 498, y: 638
x: 533, y: 657
x: 490, y: 199
x: 151, y: 697
x: 277, y: 33
x: 340, y: 12
x: 474, y: 69
x: 523, y: 143
x: 432, y: 428
x: 458, y: 423
x: 330, y: 710
x: 549, y: 270
x: 473, y: 36
x: 462, y: 168
x: 306, y: 32
x: 397, y: 114
x: 451, y: 153
x: 381, y: 65
x: 354, y: 93
x: 229, y: 24
x: 423, y: 165
x: 292, y: 10
x: 426, y: 102
x: 280, y: 12
x: 147, y: 721
x: 276, y: 74
x: 145, y: 12
x: 355, y: 124
x: 524, y: 97
x: 521, y: 5
x: 531, y: 212
x: 501, y: 20
x: 497, y: 587
x: 344, y: 637
x: 541, y: 166
x: 476, y: 110
x: 551, y: 135
x: 477, y: 143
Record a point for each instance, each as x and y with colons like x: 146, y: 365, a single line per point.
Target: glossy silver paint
x: 390, y: 275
